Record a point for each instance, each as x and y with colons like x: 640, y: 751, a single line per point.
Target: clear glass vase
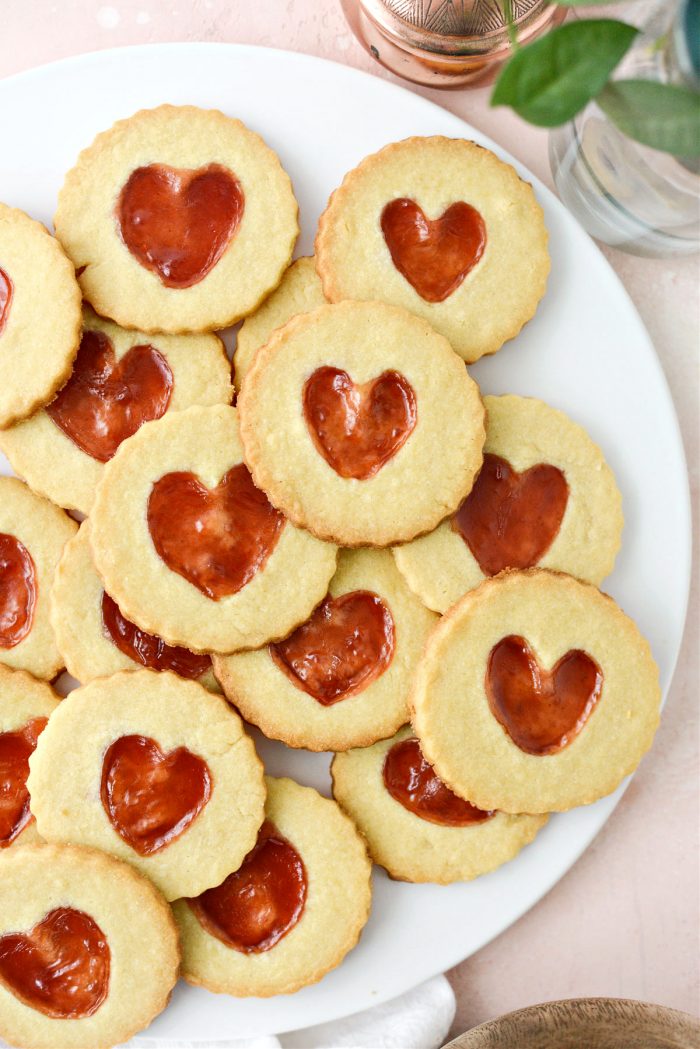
x: 624, y: 193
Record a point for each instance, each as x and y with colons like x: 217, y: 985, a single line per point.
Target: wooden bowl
x: 586, y: 1023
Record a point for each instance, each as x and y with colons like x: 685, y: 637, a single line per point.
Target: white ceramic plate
x: 586, y: 352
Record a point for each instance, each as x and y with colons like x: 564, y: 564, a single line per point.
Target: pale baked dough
x: 65, y: 779
x: 23, y: 698
x: 555, y: 614
x: 76, y: 617
x: 415, y: 849
x: 423, y: 482
x: 252, y: 264
x: 49, y: 460
x: 43, y: 529
x: 40, y: 336
x: 440, y: 567
x: 132, y: 915
x: 280, y: 595
x: 266, y: 697
x: 336, y: 908
x: 299, y: 292
x: 497, y: 297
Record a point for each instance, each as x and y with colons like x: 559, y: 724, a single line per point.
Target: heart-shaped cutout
x: 60, y: 968
x: 151, y: 798
x: 434, y: 255
x: 414, y: 784
x: 146, y: 649
x: 18, y: 591
x: 178, y: 222
x: 358, y: 429
x: 260, y: 902
x: 15, y: 750
x: 5, y: 298
x: 345, y: 646
x: 217, y: 539
x: 104, y: 402
x: 541, y: 710
x: 509, y: 519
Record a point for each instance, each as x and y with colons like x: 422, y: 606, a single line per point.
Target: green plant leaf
x: 550, y: 80
x: 581, y: 3
x: 660, y: 115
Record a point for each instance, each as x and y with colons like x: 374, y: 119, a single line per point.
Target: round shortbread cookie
x: 120, y: 380
x: 95, y: 639
x: 39, y: 315
x: 100, y: 952
x: 164, y: 777
x: 545, y: 497
x: 265, y: 576
x: 343, y: 678
x: 443, y: 228
x: 190, y: 221
x: 361, y: 424
x: 536, y: 693
x: 315, y: 902
x: 25, y: 706
x: 299, y: 292
x: 33, y: 533
x: 461, y: 844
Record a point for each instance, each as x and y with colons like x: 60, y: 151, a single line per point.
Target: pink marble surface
x: 624, y: 921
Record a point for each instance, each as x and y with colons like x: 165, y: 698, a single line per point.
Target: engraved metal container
x: 445, y: 43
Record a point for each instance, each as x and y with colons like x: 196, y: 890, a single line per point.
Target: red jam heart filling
x: 260, y: 902
x: 345, y: 646
x: 151, y: 798
x: 60, y: 968
x: 104, y: 402
x: 15, y: 750
x: 358, y: 429
x: 414, y: 784
x: 434, y: 255
x: 146, y: 649
x: 216, y: 539
x: 18, y: 591
x: 5, y: 298
x: 509, y: 519
x: 541, y: 710
x: 178, y: 222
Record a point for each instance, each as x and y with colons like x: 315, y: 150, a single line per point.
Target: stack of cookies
x: 363, y: 556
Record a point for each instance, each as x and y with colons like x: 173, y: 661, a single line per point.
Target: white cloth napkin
x: 419, y: 1019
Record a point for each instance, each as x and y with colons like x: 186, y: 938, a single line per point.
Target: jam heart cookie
x: 344, y: 415
x: 191, y: 550
x: 291, y: 912
x: 120, y: 380
x: 95, y: 639
x: 33, y: 533
x: 192, y: 220
x: 536, y: 693
x: 164, y: 778
x: 25, y: 708
x: 342, y: 679
x: 299, y: 292
x: 414, y: 826
x: 89, y: 951
x: 544, y: 497
x: 443, y: 228
x: 39, y: 315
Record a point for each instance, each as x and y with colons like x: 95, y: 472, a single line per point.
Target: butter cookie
x: 447, y: 230
x: 536, y: 693
x: 343, y: 678
x: 191, y: 220
x: 164, y: 777
x: 544, y: 497
x: 361, y: 424
x: 291, y: 912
